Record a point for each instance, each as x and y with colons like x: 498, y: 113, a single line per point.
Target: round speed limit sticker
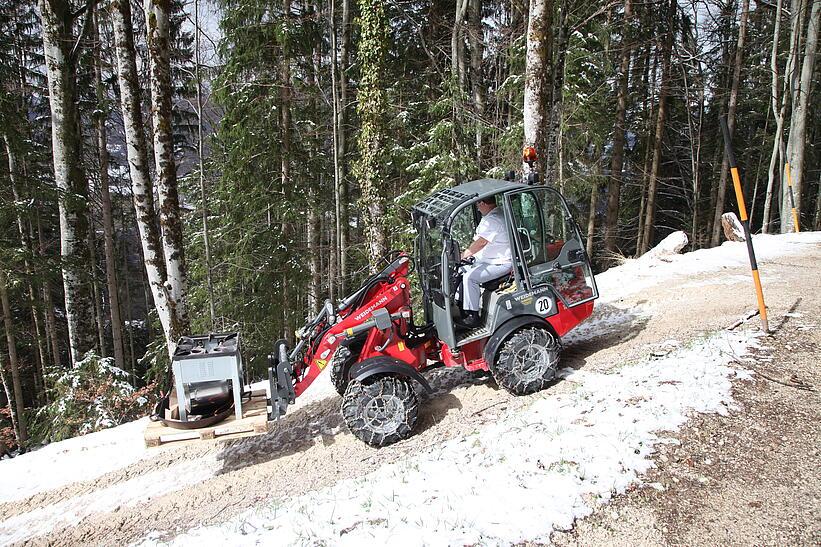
x: 543, y: 305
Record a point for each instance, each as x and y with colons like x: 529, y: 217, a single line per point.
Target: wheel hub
x: 535, y: 361
x: 383, y: 414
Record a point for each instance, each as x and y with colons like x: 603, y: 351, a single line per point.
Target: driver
x: 491, y: 249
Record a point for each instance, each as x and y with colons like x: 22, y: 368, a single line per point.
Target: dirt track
x: 721, y: 509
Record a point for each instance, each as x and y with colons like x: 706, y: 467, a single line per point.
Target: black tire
x: 340, y: 364
x: 527, y: 361
x: 380, y: 410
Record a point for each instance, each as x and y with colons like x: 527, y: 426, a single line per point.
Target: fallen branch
x: 487, y: 408
x: 743, y: 320
x: 797, y: 385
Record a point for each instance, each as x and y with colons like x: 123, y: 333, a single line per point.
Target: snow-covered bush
x: 93, y: 395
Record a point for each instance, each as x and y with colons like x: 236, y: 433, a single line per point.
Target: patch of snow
x: 670, y: 245
x: 73, y: 460
x: 130, y: 492
x: 636, y: 275
x: 519, y: 479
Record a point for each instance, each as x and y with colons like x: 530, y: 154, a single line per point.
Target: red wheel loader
x: 377, y: 350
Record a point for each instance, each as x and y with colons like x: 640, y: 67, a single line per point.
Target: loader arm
x: 381, y: 308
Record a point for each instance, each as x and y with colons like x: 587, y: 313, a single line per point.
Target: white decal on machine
x: 543, y: 305
x: 378, y: 304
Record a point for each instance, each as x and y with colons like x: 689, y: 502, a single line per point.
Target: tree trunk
x: 26, y: 244
x: 798, y: 123
x: 594, y: 198
x: 780, y: 113
x: 553, y: 160
x: 649, y: 98
x: 315, y: 292
x: 206, y: 237
x: 285, y: 109
x: 611, y: 226
x: 159, y: 53
x: 60, y: 60
x: 95, y: 289
x: 48, y: 304
x: 10, y: 399
x: 336, y: 107
x: 129, y: 318
x: 372, y: 107
x: 537, y: 67
x: 457, y: 45
x: 343, y: 229
x: 731, y: 108
x: 138, y: 165
x: 477, y: 79
x: 108, y: 219
x: 13, y: 363
x: 817, y: 223
x: 649, y: 217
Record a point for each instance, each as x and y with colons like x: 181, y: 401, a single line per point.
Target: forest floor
x: 731, y: 453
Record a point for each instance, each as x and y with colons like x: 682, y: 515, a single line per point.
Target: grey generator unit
x: 203, y: 366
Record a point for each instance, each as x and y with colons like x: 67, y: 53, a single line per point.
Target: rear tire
x: 380, y: 410
x: 527, y: 361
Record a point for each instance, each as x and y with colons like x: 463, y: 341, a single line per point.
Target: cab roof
x: 442, y: 203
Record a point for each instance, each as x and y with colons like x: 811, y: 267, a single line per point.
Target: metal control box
x: 202, y: 365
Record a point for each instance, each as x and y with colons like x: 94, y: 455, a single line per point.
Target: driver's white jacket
x: 492, y: 228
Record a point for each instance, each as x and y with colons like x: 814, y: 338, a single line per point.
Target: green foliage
x: 93, y: 395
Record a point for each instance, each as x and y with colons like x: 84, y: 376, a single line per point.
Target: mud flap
x: 280, y: 381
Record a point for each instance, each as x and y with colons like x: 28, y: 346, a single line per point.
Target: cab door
x: 548, y: 245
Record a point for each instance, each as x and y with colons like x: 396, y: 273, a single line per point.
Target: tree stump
x: 733, y: 230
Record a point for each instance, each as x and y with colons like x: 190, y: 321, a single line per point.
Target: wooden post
x: 742, y: 210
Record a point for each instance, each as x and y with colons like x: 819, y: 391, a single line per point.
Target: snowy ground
x: 538, y: 471
x: 78, y: 459
x: 554, y: 459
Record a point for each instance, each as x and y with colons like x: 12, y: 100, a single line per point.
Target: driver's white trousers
x: 480, y: 272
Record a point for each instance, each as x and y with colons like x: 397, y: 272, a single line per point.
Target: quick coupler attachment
x: 280, y: 382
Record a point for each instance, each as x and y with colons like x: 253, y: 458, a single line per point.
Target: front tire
x: 527, y: 361
x: 340, y: 364
x: 380, y: 411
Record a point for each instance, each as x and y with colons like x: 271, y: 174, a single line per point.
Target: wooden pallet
x: 254, y: 422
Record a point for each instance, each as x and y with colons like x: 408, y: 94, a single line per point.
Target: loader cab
x: 550, y: 272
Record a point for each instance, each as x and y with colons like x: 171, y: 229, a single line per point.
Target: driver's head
x: 486, y: 205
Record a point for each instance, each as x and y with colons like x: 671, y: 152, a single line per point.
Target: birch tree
x: 457, y: 45
x: 537, y: 68
x: 137, y: 152
x: 798, y: 122
x: 61, y: 48
x: 477, y: 81
x: 780, y: 112
x: 159, y: 53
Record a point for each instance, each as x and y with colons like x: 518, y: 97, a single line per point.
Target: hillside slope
x: 653, y: 356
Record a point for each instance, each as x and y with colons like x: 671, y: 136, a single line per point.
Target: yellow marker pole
x: 745, y: 223
x: 792, y: 197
